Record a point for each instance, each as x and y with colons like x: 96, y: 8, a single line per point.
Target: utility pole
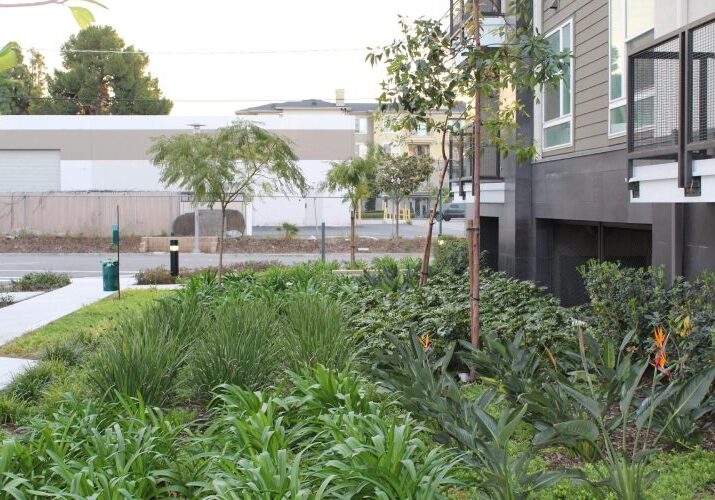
x: 197, y: 246
x: 476, y: 188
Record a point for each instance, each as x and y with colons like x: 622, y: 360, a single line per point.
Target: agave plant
x: 512, y: 368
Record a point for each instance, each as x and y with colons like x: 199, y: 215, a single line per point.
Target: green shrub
x: 40, y: 281
x: 11, y: 409
x: 441, y: 309
x: 148, y: 351
x: 88, y: 449
x: 451, y: 255
x: 288, y: 229
x: 155, y: 276
x: 69, y: 353
x: 625, y: 300
x: 375, y: 457
x: 239, y: 347
x: 314, y: 334
x: 30, y: 385
x: 6, y: 299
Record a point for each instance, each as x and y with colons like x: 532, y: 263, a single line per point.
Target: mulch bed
x: 75, y: 244
x: 66, y: 244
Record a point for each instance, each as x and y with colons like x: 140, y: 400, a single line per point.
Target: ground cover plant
x: 33, y: 282
x: 294, y: 382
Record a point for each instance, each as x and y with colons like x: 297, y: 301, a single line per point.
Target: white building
x: 62, y: 160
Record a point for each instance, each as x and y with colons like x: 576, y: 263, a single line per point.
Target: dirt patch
x: 66, y: 244
x: 74, y: 244
x: 332, y: 245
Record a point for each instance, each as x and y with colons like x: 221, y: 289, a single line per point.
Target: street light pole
x: 197, y: 247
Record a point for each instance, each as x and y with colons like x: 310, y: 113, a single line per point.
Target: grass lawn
x: 91, y: 321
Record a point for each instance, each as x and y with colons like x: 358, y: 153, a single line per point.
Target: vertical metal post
x: 174, y: 257
x: 322, y: 241
x: 119, y: 274
x: 197, y: 248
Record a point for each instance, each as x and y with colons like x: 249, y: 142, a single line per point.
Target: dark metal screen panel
x: 701, y: 81
x: 654, y: 97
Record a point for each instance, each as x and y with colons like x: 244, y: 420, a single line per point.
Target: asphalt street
x: 15, y: 265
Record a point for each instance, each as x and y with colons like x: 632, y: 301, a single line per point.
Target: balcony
x: 671, y: 119
x: 460, y: 30
x: 461, y: 168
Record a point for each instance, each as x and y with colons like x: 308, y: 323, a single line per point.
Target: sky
x: 163, y: 28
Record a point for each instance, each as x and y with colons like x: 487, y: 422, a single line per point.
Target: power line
x: 156, y: 99
x: 204, y: 53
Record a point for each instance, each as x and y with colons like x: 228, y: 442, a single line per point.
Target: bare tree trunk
x: 397, y: 219
x: 220, y: 243
x: 476, y: 188
x: 352, y: 238
x: 424, y: 273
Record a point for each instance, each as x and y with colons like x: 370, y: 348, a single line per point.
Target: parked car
x: 453, y: 211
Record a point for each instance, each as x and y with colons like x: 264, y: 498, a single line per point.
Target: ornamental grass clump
x: 314, y: 334
x: 147, y: 352
x: 240, y: 346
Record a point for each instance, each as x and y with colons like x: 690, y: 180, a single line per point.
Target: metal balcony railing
x: 461, y: 163
x: 671, y: 102
x: 460, y: 11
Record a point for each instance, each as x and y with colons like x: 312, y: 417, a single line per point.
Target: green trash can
x: 110, y: 275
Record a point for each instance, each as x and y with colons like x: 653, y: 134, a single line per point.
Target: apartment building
x: 372, y: 128
x: 624, y: 170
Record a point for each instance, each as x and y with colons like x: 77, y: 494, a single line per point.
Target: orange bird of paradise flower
x: 660, y: 338
x: 425, y: 342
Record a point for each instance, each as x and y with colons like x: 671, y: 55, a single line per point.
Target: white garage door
x: 29, y: 171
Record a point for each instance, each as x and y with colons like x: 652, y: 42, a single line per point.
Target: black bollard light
x: 174, y: 257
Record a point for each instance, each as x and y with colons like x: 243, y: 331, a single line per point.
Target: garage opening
x: 573, y: 245
x: 489, y: 242
x: 29, y: 171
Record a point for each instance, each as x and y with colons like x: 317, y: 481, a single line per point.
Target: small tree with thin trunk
x: 354, y: 177
x: 238, y: 162
x: 478, y: 87
x: 398, y: 176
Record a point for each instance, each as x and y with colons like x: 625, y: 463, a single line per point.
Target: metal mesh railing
x: 701, y: 81
x: 654, y: 97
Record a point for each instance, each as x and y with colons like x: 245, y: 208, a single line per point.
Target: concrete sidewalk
x: 36, y: 312
x: 18, y: 319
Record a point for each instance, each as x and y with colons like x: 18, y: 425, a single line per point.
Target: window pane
x: 566, y: 95
x: 566, y: 37
x: 557, y: 135
x: 639, y: 16
x: 554, y: 41
x: 618, y: 120
x: 552, y: 109
x: 617, y: 48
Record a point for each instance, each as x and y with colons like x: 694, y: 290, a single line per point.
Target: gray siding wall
x: 590, y: 68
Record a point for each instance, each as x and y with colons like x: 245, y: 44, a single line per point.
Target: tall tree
x: 103, y: 76
x: 18, y: 87
x: 427, y: 72
x: 398, y: 176
x: 82, y: 15
x: 238, y: 162
x: 353, y: 177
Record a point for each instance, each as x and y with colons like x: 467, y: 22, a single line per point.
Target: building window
x: 627, y: 19
x: 360, y: 149
x: 422, y: 150
x: 361, y: 125
x: 557, y: 99
x: 387, y: 148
